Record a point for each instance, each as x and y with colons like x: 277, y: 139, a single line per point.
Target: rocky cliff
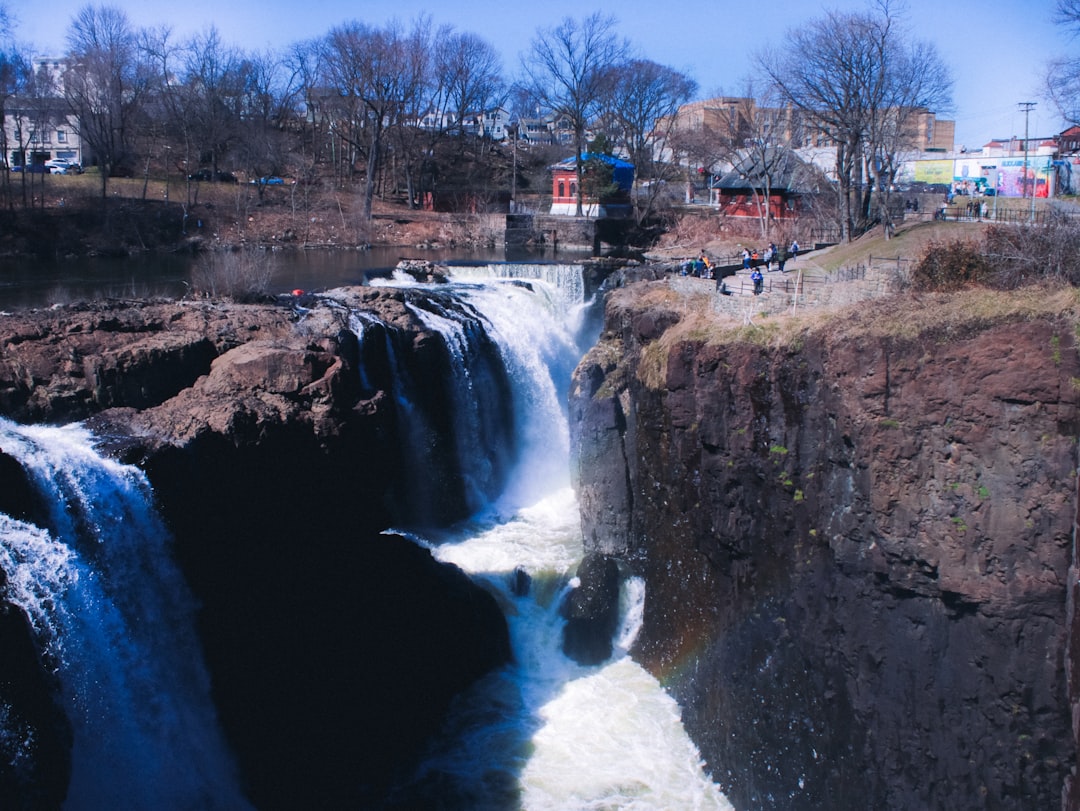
x: 269, y: 435
x: 856, y: 533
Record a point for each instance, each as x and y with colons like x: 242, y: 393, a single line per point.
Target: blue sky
x: 996, y: 49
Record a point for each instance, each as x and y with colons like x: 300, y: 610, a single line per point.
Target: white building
x: 41, y: 129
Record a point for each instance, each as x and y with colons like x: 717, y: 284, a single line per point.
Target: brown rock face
x: 856, y: 551
x: 333, y: 650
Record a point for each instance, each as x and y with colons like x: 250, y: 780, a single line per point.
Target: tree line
x: 348, y: 106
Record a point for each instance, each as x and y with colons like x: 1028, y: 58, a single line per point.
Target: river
x: 30, y: 282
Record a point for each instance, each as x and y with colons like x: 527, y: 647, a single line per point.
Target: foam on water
x: 545, y: 733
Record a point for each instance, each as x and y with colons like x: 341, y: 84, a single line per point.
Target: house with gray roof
x: 776, y: 178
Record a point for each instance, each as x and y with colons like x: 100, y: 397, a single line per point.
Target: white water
x: 544, y: 733
x: 115, y: 620
x: 561, y: 282
x: 541, y: 734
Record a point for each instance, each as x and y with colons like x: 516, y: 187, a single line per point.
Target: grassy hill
x: 909, y: 242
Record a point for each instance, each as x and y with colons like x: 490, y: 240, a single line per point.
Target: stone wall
x: 568, y: 233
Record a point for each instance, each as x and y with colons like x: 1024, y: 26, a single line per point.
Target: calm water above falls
x: 42, y: 283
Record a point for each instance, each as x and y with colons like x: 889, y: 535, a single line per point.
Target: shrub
x: 238, y: 275
x: 950, y: 265
x: 1022, y: 254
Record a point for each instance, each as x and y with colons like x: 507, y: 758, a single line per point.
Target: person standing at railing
x: 782, y: 257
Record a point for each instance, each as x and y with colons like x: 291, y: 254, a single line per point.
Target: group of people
x: 701, y: 267
x: 771, y: 255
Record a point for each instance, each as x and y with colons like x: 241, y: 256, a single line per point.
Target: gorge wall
x: 857, y: 541
x: 271, y: 439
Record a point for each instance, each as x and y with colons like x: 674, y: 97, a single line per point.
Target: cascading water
x: 114, y: 619
x: 543, y: 732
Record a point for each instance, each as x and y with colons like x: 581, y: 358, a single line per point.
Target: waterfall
x: 563, y: 281
x: 114, y: 619
x: 544, y: 733
x: 512, y: 347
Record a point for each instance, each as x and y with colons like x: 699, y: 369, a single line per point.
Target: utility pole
x: 1027, y: 107
x: 513, y: 127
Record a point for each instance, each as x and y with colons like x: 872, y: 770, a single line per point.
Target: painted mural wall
x: 1005, y: 176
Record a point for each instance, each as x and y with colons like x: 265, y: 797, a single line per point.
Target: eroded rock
x: 856, y: 551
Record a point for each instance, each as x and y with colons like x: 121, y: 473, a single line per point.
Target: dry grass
x: 910, y: 242
x: 238, y: 275
x: 902, y: 317
x: 233, y: 214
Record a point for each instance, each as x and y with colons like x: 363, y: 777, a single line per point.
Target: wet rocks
x: 423, y: 270
x: 334, y: 650
x: 592, y: 611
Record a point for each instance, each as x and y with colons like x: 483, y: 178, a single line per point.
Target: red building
x: 774, y: 182
x: 616, y: 199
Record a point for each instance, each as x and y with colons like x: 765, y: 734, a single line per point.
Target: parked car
x: 208, y: 174
x: 269, y: 181
x: 62, y: 166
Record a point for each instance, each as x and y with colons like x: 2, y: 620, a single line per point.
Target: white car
x: 62, y: 166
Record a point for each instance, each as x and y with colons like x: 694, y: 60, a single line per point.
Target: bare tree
x: 214, y: 82
x: 849, y: 73
x: 407, y: 137
x: 105, y: 84
x: 270, y: 102
x: 304, y: 61
x: 1063, y: 74
x: 468, y: 75
x: 172, y: 104
x: 826, y: 69
x: 765, y: 158
x: 16, y: 75
x: 917, y: 80
x: 374, y: 78
x: 640, y: 102
x: 564, y: 71
x: 36, y: 109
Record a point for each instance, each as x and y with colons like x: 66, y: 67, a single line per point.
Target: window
x: 562, y: 189
x: 61, y: 136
